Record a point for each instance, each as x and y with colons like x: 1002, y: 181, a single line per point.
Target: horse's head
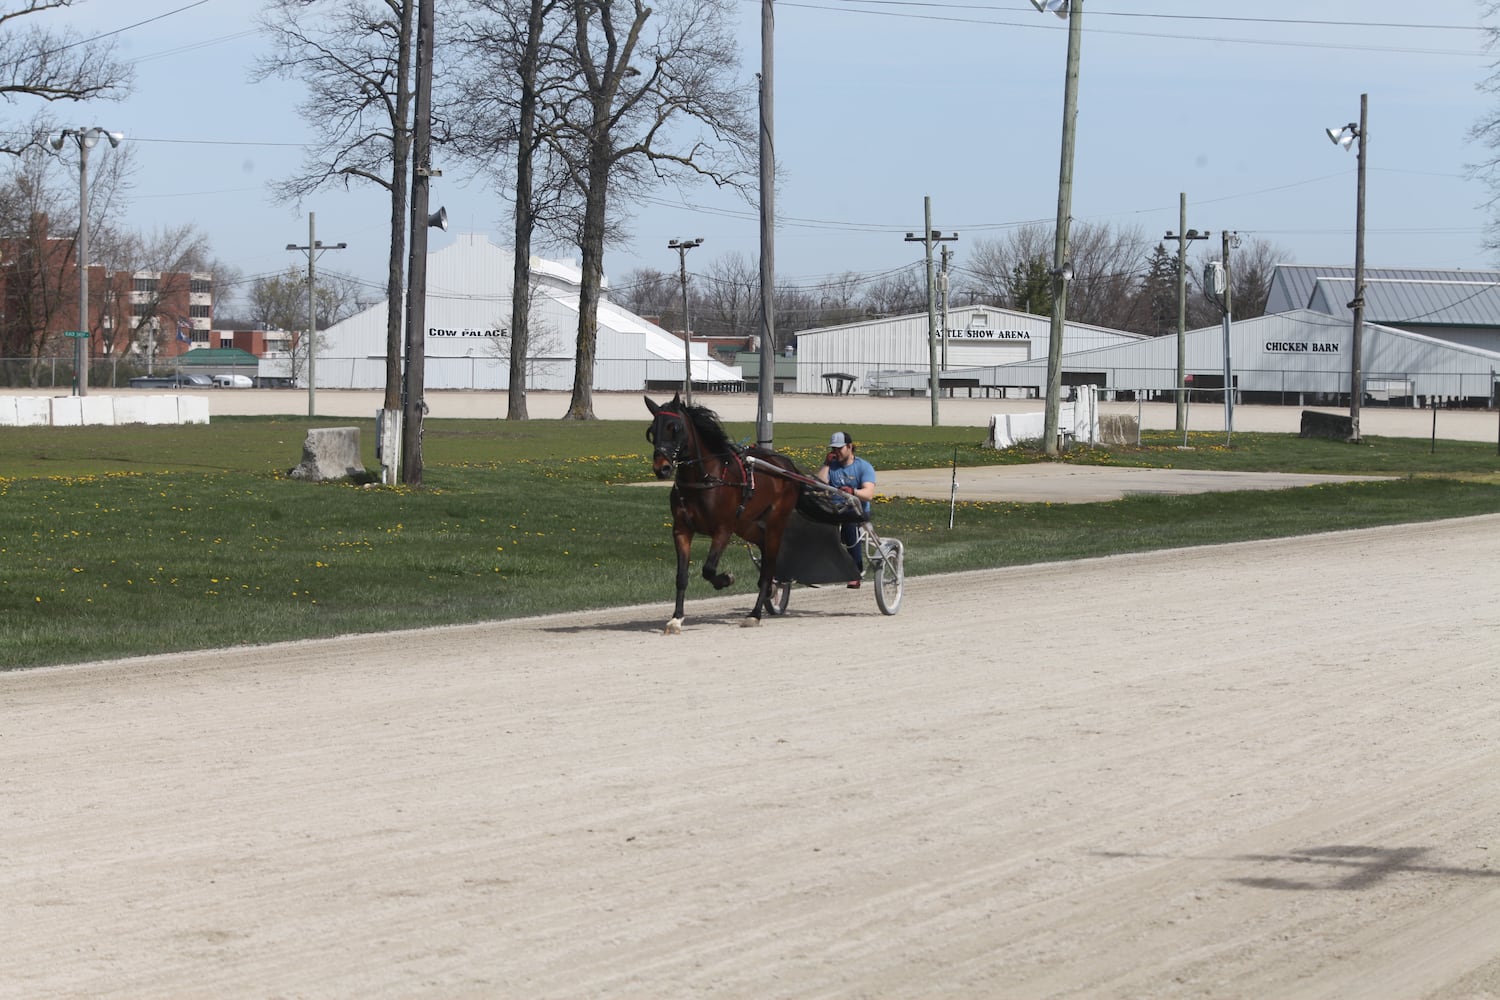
x: 669, y: 433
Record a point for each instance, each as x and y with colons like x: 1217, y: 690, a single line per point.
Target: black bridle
x: 671, y: 446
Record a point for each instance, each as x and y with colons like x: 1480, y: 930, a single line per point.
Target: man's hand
x: 831, y: 459
x: 847, y: 489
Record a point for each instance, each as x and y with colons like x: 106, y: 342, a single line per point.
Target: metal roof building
x: 467, y: 341
x: 1462, y: 307
x: 1300, y: 357
x: 892, y: 354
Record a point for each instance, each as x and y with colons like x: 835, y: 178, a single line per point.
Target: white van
x: 233, y: 381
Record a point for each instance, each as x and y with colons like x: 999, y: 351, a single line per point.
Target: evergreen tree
x: 1159, y: 290
x: 1030, y: 286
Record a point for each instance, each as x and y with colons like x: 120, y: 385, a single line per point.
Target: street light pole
x: 313, y: 248
x: 1061, y: 270
x: 682, y: 247
x: 1355, y: 134
x: 85, y: 138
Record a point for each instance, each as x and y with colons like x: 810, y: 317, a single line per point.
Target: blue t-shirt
x: 853, y: 475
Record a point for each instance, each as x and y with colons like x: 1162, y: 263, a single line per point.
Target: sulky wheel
x: 781, y: 593
x: 889, y: 573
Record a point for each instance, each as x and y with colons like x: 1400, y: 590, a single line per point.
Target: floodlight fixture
x: 1344, y: 136
x: 1058, y: 7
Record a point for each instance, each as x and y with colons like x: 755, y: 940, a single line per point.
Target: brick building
x: 136, y: 314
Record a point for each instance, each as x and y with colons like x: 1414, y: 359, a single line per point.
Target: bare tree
x: 279, y: 302
x: 355, y: 56
x: 647, y: 292
x: 1486, y: 131
x: 51, y: 65
x: 35, y: 290
x: 1107, y: 267
x: 1251, y: 266
x: 653, y: 98
x: 146, y: 285
x: 538, y: 354
x: 508, y: 129
x: 898, y: 293
x: 727, y: 303
x: 994, y: 269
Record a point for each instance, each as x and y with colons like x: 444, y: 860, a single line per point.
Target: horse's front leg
x: 719, y: 542
x: 682, y: 538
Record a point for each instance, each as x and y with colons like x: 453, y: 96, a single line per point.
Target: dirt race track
x: 1252, y: 771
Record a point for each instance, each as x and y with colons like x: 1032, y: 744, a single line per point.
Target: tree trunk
x: 520, y: 303
x: 591, y: 244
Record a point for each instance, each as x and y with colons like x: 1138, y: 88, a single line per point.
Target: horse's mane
x: 710, y: 430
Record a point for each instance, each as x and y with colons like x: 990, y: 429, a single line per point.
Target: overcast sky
x: 882, y: 102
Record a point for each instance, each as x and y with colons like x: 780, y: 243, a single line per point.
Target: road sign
x: 75, y: 333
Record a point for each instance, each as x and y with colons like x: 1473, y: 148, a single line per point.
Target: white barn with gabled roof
x: 891, y: 354
x: 1299, y: 357
x: 468, y: 337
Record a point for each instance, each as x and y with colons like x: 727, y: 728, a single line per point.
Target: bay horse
x: 715, y: 493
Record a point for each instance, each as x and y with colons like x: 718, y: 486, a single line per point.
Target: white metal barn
x: 467, y: 342
x: 1299, y: 357
x: 892, y: 354
x: 1461, y: 307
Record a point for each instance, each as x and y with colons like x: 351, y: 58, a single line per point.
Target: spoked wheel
x: 889, y: 567
x: 781, y: 593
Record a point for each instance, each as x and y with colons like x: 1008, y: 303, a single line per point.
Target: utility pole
x: 1062, y: 271
x: 313, y: 248
x: 413, y: 385
x: 682, y: 247
x: 928, y: 238
x: 1184, y: 235
x: 765, y: 418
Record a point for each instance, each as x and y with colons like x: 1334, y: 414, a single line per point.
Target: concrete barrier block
x: 161, y: 409
x: 130, y: 409
x: 192, y: 410
x: 33, y: 411
x: 1334, y: 426
x: 330, y: 453
x: 7, y: 411
x: 98, y: 411
x: 1009, y: 429
x: 67, y: 411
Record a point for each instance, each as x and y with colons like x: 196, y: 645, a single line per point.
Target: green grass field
x: 121, y: 541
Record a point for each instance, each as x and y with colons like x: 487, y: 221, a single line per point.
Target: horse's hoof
x: 720, y: 582
x: 751, y: 622
x: 674, y: 627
